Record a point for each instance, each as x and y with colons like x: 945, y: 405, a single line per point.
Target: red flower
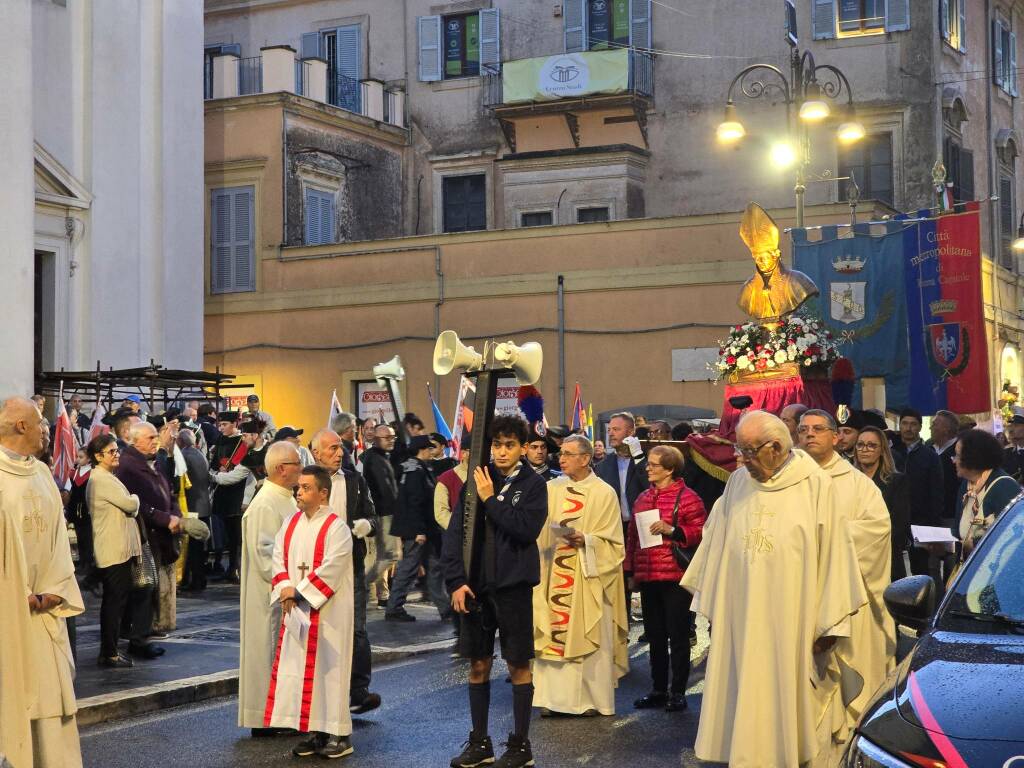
x: 761, y: 364
x: 730, y: 360
x: 757, y: 348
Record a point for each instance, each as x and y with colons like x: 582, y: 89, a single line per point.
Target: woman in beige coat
x: 116, y: 543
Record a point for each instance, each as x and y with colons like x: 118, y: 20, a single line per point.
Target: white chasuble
x: 309, y: 682
x: 260, y: 618
x: 579, y: 606
x: 17, y: 674
x: 775, y: 571
x: 31, y: 492
x: 870, y: 649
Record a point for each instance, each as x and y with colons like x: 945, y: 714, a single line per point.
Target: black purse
x: 682, y: 554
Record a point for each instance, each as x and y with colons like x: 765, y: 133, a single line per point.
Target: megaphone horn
x: 450, y: 353
x: 392, y: 369
x: 526, y: 361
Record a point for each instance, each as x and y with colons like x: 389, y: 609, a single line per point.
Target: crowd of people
x: 787, y: 562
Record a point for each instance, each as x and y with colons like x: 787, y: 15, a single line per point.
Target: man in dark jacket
x: 226, y: 458
x: 158, y: 516
x: 537, y: 453
x: 414, y: 524
x: 921, y: 465
x: 1013, y: 456
x: 498, y: 595
x: 197, y: 496
x: 350, y: 500
x: 380, y: 479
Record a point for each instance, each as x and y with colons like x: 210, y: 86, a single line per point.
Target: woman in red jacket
x: 666, y: 605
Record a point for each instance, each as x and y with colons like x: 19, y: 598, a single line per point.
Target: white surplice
x: 309, y: 682
x: 260, y: 619
x: 29, y: 489
x: 579, y: 606
x: 776, y: 569
x: 17, y: 674
x: 870, y: 649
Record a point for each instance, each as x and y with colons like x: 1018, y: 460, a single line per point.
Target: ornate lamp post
x: 806, y: 94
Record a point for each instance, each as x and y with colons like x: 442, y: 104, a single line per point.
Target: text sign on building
x: 565, y: 76
x: 372, y: 401
x: 507, y: 401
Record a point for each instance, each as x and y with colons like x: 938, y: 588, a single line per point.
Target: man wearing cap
x: 1013, y: 457
x: 537, y: 453
x: 255, y: 414
x: 415, y: 525
x: 291, y: 434
x: 133, y: 403
x: 230, y: 475
x: 849, y: 423
x: 439, y: 463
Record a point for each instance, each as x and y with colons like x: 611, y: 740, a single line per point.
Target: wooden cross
x: 302, y: 570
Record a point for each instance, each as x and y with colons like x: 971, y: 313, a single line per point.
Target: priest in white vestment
x: 870, y: 650
x: 272, y: 505
x: 30, y: 493
x: 579, y: 607
x: 309, y: 682
x: 776, y: 575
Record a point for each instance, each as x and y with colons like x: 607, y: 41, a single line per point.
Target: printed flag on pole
x: 97, y: 427
x: 590, y: 422
x: 441, y: 426
x: 579, y: 416
x: 335, y: 408
x: 464, y: 409
x: 64, y: 444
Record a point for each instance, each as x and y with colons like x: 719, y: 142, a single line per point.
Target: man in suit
x: 1013, y: 456
x: 624, y: 469
x: 921, y: 465
x: 197, y: 495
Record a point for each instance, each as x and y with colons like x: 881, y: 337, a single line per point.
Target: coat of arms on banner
x: 948, y: 345
x: 847, y: 301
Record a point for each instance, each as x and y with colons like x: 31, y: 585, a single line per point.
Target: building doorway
x: 44, y: 308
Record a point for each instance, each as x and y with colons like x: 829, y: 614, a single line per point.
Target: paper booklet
x: 644, y: 520
x: 297, y: 623
x: 933, y: 534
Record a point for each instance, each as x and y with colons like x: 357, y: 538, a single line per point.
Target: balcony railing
x: 636, y: 80
x: 302, y: 76
x: 250, y: 76
x: 346, y: 92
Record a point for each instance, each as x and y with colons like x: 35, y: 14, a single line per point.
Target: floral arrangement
x: 755, y: 348
x: 1007, y: 400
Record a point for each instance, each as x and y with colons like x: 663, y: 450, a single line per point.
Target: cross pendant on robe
x: 302, y: 570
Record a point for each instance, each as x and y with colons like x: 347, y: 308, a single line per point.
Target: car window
x: 993, y: 582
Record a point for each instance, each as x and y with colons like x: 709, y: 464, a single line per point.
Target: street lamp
x: 806, y: 95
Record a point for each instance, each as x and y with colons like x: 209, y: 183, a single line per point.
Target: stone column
x: 17, y: 200
x: 278, y: 68
x: 373, y: 106
x: 225, y: 76
x: 316, y: 72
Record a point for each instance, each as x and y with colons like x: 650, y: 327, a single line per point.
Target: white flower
x: 771, y: 363
x: 742, y: 363
x: 780, y: 357
x: 808, y: 361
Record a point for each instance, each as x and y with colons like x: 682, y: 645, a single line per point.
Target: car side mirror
x: 911, y: 601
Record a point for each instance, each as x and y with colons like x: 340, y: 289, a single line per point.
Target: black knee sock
x: 522, y: 703
x: 479, y: 705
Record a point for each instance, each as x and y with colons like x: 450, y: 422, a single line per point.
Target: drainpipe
x: 437, y: 309
x: 993, y: 221
x: 561, y: 346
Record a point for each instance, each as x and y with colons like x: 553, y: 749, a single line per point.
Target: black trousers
x: 666, y: 609
x: 233, y: 542
x: 83, y: 534
x: 194, y: 576
x: 124, y: 609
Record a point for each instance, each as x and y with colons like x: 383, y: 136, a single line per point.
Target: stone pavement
x: 201, y: 659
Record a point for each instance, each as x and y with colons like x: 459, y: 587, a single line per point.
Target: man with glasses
x: 383, y: 485
x: 776, y: 575
x: 871, y: 645
x: 272, y: 505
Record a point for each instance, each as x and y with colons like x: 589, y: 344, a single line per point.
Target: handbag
x: 144, y: 569
x: 682, y: 554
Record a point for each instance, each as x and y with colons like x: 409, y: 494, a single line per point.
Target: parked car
x: 957, y: 700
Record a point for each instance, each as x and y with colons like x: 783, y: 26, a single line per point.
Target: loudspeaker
x: 392, y: 369
x: 450, y: 353
x: 526, y: 360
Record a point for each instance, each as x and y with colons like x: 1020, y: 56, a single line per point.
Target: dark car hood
x: 966, y: 686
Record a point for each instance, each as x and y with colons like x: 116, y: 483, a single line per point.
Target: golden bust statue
x: 774, y: 291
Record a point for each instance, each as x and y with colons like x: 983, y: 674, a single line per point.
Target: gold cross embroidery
x: 757, y: 540
x: 34, y: 521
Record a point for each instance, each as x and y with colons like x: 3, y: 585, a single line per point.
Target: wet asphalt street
x: 422, y: 722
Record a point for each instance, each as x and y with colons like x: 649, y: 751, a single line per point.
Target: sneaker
x: 399, y: 616
x: 335, y: 746
x: 309, y: 747
x: 652, y: 700
x: 365, y: 704
x: 517, y: 753
x: 478, y: 751
x: 114, y: 662
x: 676, y: 703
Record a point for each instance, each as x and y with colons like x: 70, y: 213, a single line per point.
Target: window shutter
x: 997, y: 53
x: 823, y: 19
x: 234, y: 48
x: 966, y: 175
x: 220, y: 246
x: 490, y: 41
x: 897, y: 15
x: 640, y: 23
x: 244, y: 277
x: 309, y: 46
x: 947, y: 32
x: 349, y: 42
x: 575, y: 23
x: 326, y: 217
x: 429, y: 38
x: 962, y: 32
x: 312, y: 212
x: 1013, y: 64
x: 1006, y: 216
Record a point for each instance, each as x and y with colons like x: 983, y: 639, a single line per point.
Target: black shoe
x: 148, y: 651
x: 642, y: 638
x: 309, y: 746
x: 382, y: 603
x: 115, y: 662
x: 517, y: 753
x: 652, y: 700
x: 365, y: 704
x: 399, y: 616
x: 478, y: 751
x: 266, y: 733
x: 676, y: 703
x: 335, y: 746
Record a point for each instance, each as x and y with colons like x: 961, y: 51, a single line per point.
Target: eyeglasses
x: 749, y: 453
x: 817, y: 429
x: 111, y: 452
x: 867, y: 446
x: 655, y: 465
